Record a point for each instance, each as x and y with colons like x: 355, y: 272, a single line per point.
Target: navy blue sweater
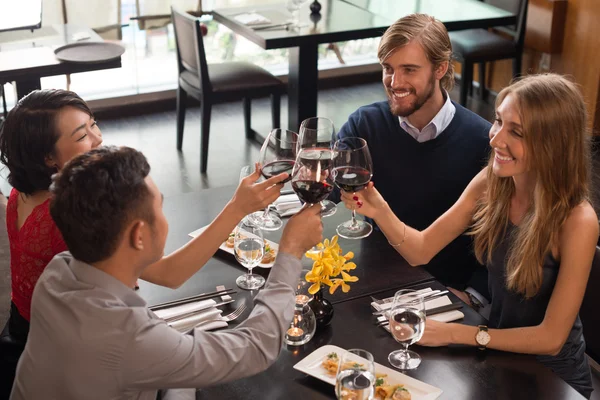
x: 421, y: 181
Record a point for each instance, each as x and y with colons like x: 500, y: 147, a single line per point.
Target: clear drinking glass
x: 352, y: 171
x: 355, y: 376
x: 249, y: 249
x: 293, y: 7
x: 318, y: 133
x: 277, y: 155
x: 407, y: 323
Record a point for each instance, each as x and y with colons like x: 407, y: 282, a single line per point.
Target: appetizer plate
x: 311, y: 365
x: 229, y: 250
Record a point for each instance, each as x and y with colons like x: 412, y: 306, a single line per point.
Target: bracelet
x: 403, y: 238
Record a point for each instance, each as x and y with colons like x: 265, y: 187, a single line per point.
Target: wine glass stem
x: 354, y: 222
x: 266, y: 212
x: 249, y: 277
x: 404, y: 352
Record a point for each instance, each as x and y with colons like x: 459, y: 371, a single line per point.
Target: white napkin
x: 184, y: 309
x: 252, y: 19
x: 447, y: 316
x: 288, y: 204
x: 187, y: 324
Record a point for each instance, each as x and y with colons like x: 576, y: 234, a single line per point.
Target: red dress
x: 31, y: 249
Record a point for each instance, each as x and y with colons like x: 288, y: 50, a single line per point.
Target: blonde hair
x: 553, y: 117
x: 430, y: 33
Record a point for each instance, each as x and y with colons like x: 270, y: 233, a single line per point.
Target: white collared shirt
x: 435, y: 126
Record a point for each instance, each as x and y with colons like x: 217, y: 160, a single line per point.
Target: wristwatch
x: 482, y: 337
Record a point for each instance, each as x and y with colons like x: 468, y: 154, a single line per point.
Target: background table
x: 26, y: 57
x: 342, y: 20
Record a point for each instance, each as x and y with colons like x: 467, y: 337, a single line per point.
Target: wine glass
x: 277, y: 155
x: 352, y: 171
x: 318, y: 132
x: 407, y: 323
x: 355, y: 376
x: 249, y: 249
x: 293, y: 7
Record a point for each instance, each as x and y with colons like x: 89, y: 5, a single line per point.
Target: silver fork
x: 227, y: 318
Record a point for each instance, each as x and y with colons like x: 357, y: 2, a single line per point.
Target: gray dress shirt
x: 92, y: 337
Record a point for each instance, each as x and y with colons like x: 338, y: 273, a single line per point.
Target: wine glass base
x: 360, y: 230
x: 328, y: 208
x: 269, y: 223
x: 250, y: 282
x: 404, y: 360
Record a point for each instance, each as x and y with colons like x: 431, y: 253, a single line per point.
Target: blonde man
x: 422, y: 141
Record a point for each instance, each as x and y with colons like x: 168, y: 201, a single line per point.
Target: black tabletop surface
x: 379, y: 266
x: 461, y: 372
x: 341, y: 20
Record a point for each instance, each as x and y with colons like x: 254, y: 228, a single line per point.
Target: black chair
x: 480, y: 46
x: 218, y: 82
x: 590, y: 317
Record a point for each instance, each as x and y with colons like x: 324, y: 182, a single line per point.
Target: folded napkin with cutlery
x: 432, y: 303
x: 252, y: 18
x: 288, y: 204
x: 204, y: 310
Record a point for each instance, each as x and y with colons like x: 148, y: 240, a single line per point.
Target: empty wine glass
x: 249, y: 249
x: 355, y: 376
x: 407, y: 323
x: 319, y: 133
x: 352, y: 171
x: 277, y: 155
x: 293, y: 7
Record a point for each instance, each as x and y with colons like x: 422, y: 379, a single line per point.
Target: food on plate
x: 383, y: 389
x: 270, y: 253
x: 330, y: 363
x: 230, y: 240
x: 269, y: 256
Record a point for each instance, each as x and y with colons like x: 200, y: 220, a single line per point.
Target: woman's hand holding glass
x: 367, y: 202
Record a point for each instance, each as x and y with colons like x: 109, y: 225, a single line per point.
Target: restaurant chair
x: 216, y: 82
x: 590, y: 317
x: 478, y: 46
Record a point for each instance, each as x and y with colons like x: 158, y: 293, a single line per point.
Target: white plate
x: 229, y: 250
x: 311, y: 365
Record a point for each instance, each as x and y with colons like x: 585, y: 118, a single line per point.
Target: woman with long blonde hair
x: 533, y: 225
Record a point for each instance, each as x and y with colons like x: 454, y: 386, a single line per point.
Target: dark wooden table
x: 25, y: 56
x: 379, y: 266
x: 461, y: 372
x: 340, y: 21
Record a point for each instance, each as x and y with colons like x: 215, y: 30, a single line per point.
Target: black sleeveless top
x: 511, y: 310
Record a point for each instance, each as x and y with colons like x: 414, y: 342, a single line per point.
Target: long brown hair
x: 553, y: 117
x: 430, y: 33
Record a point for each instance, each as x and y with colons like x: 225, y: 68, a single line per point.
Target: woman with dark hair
x: 45, y: 130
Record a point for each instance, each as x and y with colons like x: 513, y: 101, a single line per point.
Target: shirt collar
x: 441, y: 120
x: 93, y: 276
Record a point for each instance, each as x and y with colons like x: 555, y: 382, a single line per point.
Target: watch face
x: 482, y: 338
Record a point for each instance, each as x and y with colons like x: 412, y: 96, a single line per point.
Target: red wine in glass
x: 275, y: 168
x: 312, y: 192
x: 351, y: 179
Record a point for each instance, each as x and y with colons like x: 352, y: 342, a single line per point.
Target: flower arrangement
x: 330, y: 267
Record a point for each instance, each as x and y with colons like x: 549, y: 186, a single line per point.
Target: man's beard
x: 420, y: 101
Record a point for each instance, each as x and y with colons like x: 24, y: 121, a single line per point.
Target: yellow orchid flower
x: 328, y: 265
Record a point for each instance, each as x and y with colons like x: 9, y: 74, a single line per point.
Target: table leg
x: 303, y: 80
x: 26, y: 87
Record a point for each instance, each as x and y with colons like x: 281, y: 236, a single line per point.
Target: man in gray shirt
x: 93, y: 337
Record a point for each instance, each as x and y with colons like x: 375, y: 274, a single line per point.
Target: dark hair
x: 96, y: 195
x: 29, y: 134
